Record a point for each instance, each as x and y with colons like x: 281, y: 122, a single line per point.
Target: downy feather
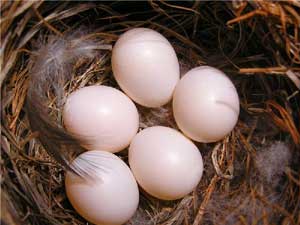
x: 51, y: 67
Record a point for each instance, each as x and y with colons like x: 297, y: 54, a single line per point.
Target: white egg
x: 165, y: 163
x: 101, y: 116
x: 206, y: 104
x: 145, y: 66
x: 109, y: 196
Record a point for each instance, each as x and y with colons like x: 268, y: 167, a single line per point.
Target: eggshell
x: 165, y: 163
x: 145, y: 66
x: 206, y: 104
x: 110, y: 196
x: 101, y: 116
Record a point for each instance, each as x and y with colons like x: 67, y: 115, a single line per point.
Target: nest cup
x: 250, y: 177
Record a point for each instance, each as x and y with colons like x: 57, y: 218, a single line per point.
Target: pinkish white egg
x: 165, y: 163
x: 110, y: 196
x: 103, y: 117
x: 206, y: 104
x: 145, y: 66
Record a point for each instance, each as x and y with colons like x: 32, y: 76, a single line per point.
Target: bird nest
x: 250, y: 177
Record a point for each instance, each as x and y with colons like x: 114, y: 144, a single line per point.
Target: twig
x: 269, y: 70
x: 214, y: 157
x: 206, y: 199
x: 46, y: 23
x: 247, y: 16
x: 284, y: 121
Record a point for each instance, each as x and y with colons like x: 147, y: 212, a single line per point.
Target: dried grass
x: 255, y: 42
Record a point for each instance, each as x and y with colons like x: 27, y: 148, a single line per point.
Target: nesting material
x: 272, y: 162
x: 51, y: 66
x: 266, y: 179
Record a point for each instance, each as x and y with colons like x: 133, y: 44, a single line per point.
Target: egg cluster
x: 164, y: 162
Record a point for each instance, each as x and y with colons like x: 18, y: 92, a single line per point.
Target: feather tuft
x: 51, y: 67
x: 271, y: 162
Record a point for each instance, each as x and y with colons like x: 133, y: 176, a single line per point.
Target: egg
x: 102, y: 117
x: 145, y: 66
x: 165, y: 163
x: 109, y: 196
x: 206, y: 104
